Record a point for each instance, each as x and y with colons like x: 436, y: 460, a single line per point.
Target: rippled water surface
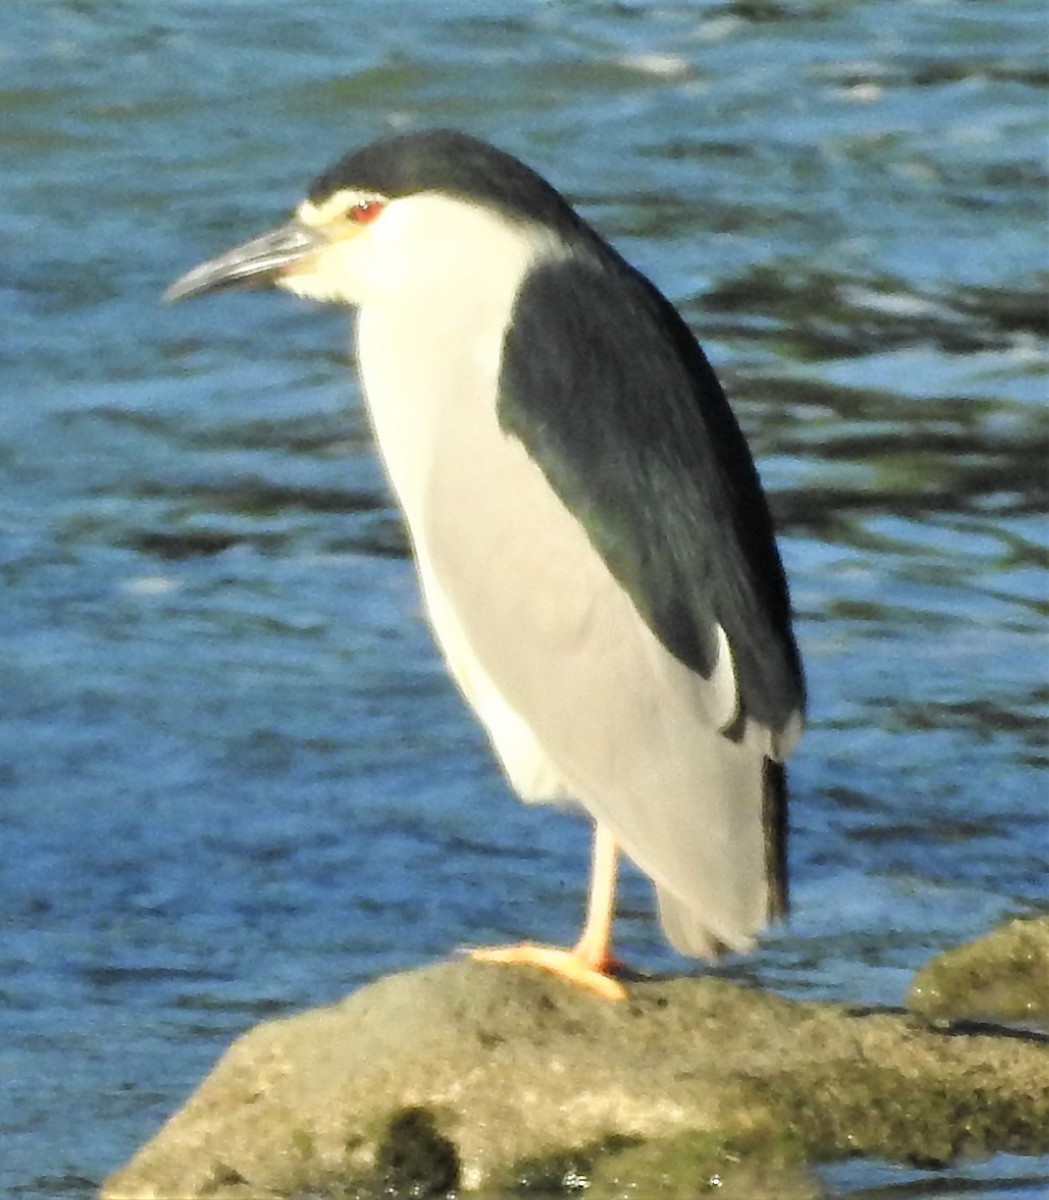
x: 234, y: 779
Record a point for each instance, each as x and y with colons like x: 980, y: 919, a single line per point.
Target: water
x: 234, y: 780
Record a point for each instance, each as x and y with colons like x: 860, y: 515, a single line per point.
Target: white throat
x: 438, y: 285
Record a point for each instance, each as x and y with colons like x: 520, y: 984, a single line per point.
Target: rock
x: 1003, y: 976
x: 497, y: 1080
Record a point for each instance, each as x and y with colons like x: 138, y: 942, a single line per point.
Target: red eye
x: 364, y: 211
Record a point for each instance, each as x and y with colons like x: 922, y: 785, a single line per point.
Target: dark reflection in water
x: 234, y: 780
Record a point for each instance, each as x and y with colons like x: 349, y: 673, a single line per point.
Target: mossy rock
x: 500, y: 1081
x: 1002, y: 977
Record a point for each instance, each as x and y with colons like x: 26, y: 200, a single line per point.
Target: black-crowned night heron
x: 593, y: 545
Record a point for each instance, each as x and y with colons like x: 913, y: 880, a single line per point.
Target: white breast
x: 429, y: 345
x: 430, y: 331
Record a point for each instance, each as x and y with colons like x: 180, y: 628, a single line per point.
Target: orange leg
x: 590, y: 963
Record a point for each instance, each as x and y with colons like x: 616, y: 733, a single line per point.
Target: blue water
x: 234, y: 779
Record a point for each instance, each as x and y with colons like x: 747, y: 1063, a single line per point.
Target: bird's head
x: 406, y: 208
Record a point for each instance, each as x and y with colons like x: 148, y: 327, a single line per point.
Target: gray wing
x: 607, y: 388
x: 533, y: 620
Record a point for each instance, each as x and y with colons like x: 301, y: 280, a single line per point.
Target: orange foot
x: 568, y: 964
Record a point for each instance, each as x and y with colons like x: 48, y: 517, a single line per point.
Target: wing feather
x: 608, y: 390
x: 535, y: 625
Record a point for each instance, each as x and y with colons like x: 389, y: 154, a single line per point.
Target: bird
x: 595, y: 552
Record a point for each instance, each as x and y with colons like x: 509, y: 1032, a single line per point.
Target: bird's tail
x: 688, y: 932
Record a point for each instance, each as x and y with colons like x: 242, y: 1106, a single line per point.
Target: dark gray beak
x: 254, y: 263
